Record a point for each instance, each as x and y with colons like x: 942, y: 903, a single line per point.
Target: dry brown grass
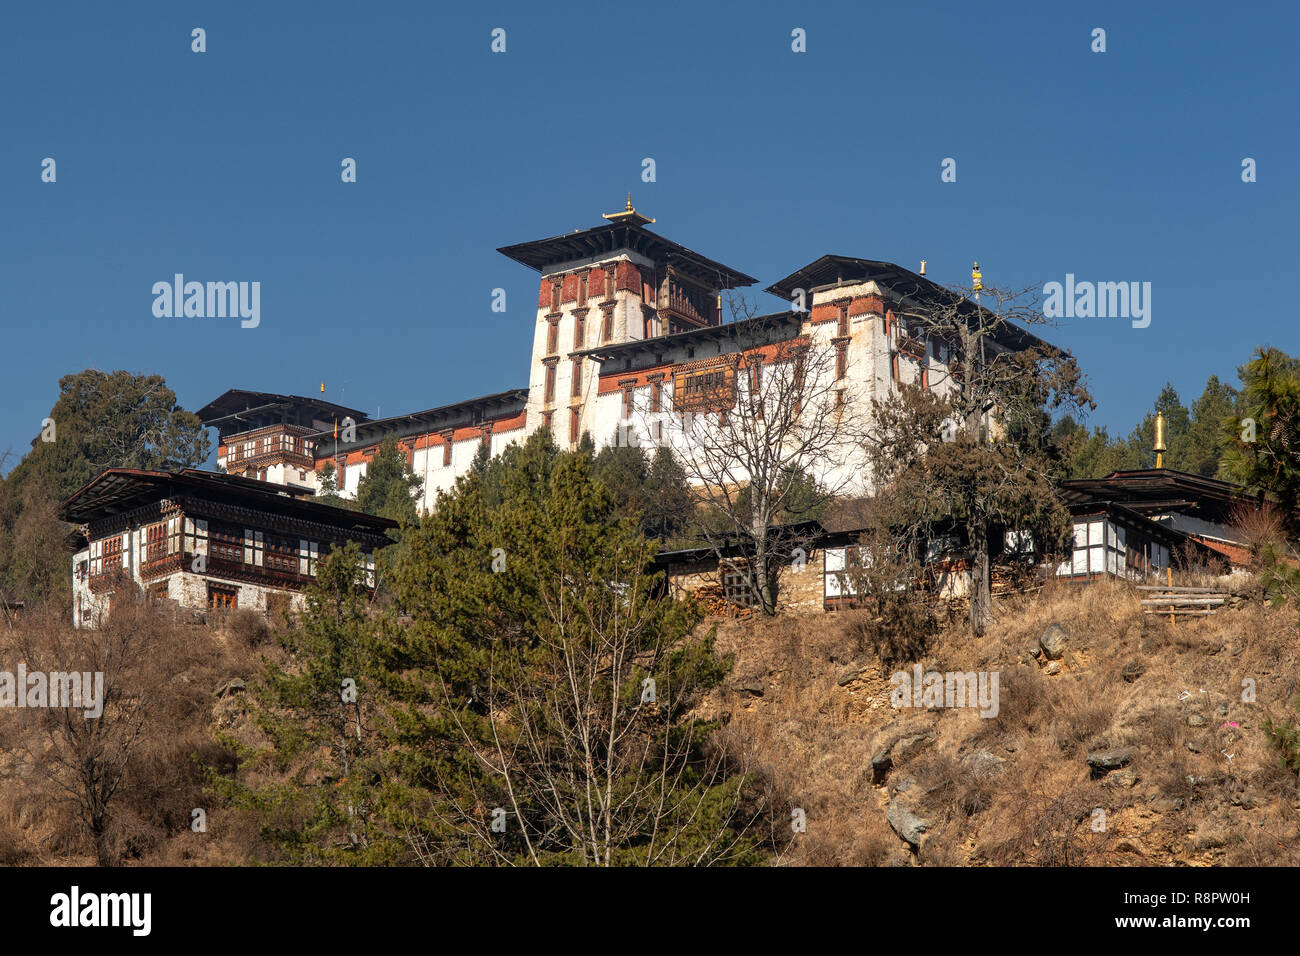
x: 156, y: 739
x: 1172, y: 693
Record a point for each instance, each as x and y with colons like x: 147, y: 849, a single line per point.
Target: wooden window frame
x: 222, y: 597
x: 548, y: 395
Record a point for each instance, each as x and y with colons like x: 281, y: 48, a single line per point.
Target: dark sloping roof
x: 1156, y: 490
x: 119, y: 490
x: 733, y: 545
x: 473, y: 411
x: 832, y: 270
x: 613, y: 236
x: 747, y: 333
x: 237, y: 401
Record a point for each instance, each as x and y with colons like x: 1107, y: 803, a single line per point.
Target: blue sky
x: 1115, y: 166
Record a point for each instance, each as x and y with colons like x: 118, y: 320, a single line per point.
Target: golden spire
x: 1159, y: 448
x: 628, y: 214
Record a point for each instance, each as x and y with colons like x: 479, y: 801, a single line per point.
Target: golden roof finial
x: 629, y: 214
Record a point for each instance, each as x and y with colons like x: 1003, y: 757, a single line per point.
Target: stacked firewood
x: 714, y: 601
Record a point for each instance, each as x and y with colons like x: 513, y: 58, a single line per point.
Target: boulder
x: 850, y: 675
x: 1104, y: 761
x: 1054, y: 641
x: 982, y: 763
x: 907, y: 824
x: 232, y: 686
x: 753, y: 687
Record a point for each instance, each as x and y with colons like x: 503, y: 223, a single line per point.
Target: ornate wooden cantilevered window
x: 222, y: 597
x: 281, y: 554
x: 226, y: 543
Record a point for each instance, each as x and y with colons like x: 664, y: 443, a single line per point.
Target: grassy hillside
x: 807, y: 711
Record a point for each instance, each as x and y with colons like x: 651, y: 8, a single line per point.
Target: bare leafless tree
x: 766, y: 443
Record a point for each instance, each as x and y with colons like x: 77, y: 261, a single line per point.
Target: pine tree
x: 388, y: 487
x: 522, y: 692
x: 317, y: 712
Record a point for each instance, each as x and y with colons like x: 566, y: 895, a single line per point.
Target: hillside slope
x: 1196, y: 781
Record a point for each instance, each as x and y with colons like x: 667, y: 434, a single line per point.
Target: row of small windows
x: 557, y: 288
x: 219, y: 542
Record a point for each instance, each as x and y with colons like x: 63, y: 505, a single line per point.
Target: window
x: 254, y: 547
x: 627, y: 403
x: 656, y: 395
x: 607, y: 326
x: 222, y: 597
x: 555, y: 297
x: 582, y: 288
x: 160, y: 540
x: 609, y: 283
x: 308, y: 555
x: 552, y: 336
x: 446, y: 448
x: 196, y: 537
x: 573, y: 425
x: 113, y: 553
x: 893, y: 366
x: 546, y: 421
x: 281, y: 554
x: 579, y: 329
x: 550, y: 384
x: 577, y: 378
x: 844, y: 320
x: 841, y: 360
x: 226, y: 543
x: 925, y: 378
